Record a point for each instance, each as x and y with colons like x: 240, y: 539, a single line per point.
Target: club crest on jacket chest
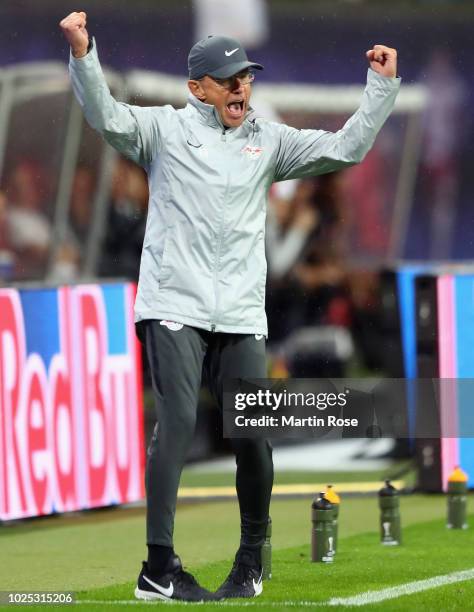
x: 252, y: 152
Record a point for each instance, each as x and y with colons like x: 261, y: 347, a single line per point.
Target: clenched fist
x: 383, y: 60
x: 74, y: 29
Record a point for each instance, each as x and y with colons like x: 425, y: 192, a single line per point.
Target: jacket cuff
x: 382, y: 82
x: 86, y: 60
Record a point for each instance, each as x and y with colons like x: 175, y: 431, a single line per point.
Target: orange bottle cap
x: 457, y: 475
x: 331, y: 495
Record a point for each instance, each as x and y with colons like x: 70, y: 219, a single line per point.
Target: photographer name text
x: 293, y: 421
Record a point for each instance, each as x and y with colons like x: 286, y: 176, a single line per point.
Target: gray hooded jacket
x: 203, y: 261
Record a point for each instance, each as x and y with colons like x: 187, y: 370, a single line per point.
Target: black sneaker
x: 174, y: 583
x: 244, y: 580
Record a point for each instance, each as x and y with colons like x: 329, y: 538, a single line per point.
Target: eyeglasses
x: 246, y: 77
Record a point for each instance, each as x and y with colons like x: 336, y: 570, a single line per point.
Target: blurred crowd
x: 25, y: 227
x: 309, y: 283
x: 319, y: 303
x: 306, y: 255
x: 32, y: 250
x: 322, y: 303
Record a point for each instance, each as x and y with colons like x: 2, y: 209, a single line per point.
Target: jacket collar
x: 209, y: 115
x: 207, y: 112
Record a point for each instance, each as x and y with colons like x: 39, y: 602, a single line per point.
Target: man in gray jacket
x: 201, y: 292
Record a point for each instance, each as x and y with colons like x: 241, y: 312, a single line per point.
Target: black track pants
x: 177, y: 358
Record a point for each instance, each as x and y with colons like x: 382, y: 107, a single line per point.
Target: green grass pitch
x: 97, y: 555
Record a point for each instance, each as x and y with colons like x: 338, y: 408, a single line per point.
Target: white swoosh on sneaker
x: 258, y: 586
x: 258, y: 336
x: 229, y: 53
x: 166, y: 592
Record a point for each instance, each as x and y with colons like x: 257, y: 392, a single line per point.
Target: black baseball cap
x: 218, y: 56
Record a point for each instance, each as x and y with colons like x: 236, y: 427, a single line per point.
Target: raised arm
x: 312, y: 152
x: 135, y: 131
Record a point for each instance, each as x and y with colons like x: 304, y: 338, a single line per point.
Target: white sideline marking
x: 363, y: 599
x: 403, y: 589
x: 226, y: 603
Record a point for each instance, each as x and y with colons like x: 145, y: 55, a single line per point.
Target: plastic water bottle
x: 335, y: 500
x: 322, y: 534
x: 457, y: 500
x: 389, y: 503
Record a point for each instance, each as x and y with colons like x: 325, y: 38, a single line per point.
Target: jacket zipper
x: 219, y: 244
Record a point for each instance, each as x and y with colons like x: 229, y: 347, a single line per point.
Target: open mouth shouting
x: 236, y: 109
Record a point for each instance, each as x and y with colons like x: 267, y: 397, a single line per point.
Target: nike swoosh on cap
x: 229, y: 53
x: 166, y: 592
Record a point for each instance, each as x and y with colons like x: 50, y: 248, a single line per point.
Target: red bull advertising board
x: 71, y: 418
